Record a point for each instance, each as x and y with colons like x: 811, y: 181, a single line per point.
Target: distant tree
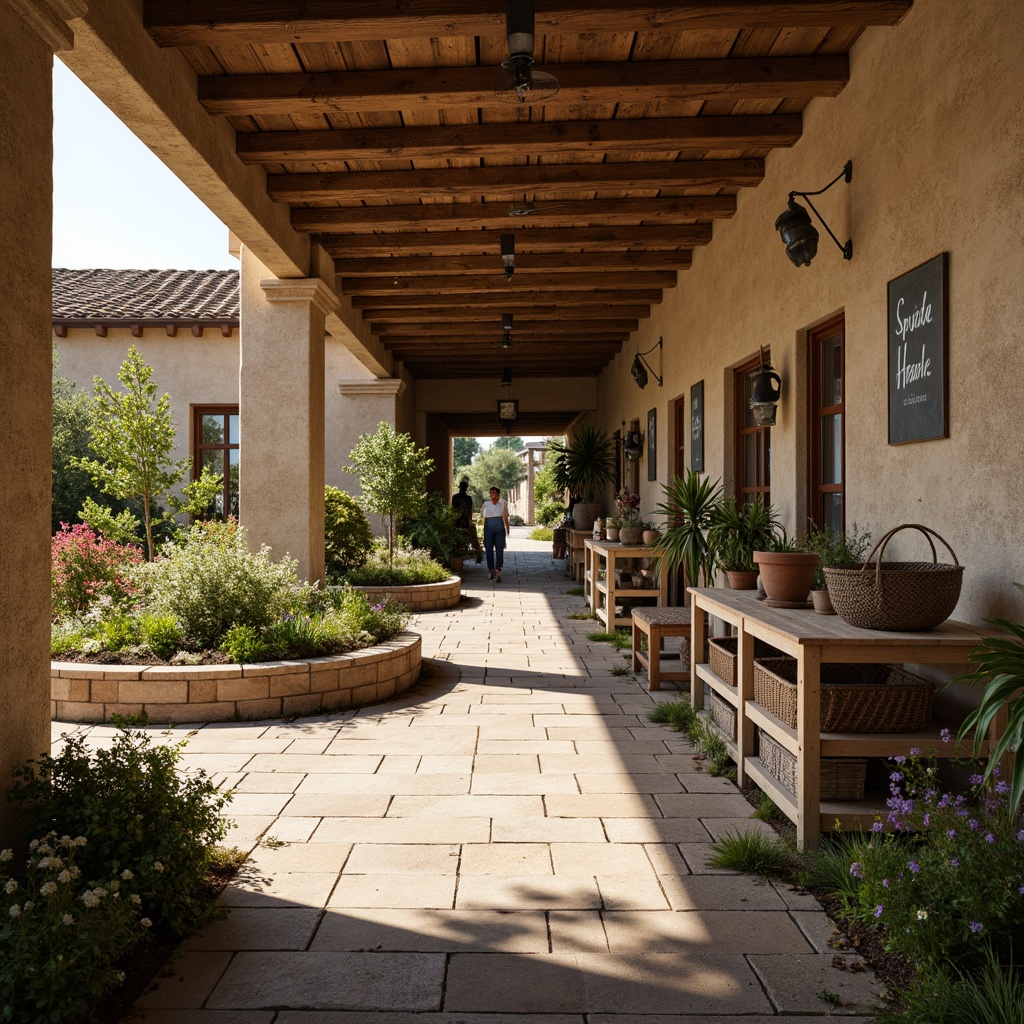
x: 392, y: 475
x: 510, y: 443
x: 496, y: 467
x: 465, y: 450
x: 132, y: 439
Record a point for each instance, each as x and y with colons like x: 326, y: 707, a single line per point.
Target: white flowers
x: 145, y: 922
x: 47, y: 887
x: 15, y: 910
x: 157, y: 866
x: 6, y: 855
x: 136, y: 899
x: 64, y: 877
x: 90, y: 899
x: 922, y: 915
x: 11, y: 886
x: 68, y: 919
x: 126, y: 875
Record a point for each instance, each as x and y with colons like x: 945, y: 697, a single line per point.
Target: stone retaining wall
x: 221, y: 693
x: 423, y: 597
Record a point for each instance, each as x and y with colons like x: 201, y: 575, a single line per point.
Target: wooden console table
x: 575, y: 555
x: 603, y: 593
x: 812, y: 640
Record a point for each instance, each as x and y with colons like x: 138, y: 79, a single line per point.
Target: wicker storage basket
x: 723, y: 714
x: 722, y: 652
x: 898, y: 596
x: 842, y: 778
x: 854, y: 698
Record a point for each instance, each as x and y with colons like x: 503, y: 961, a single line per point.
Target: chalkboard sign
x: 918, y: 379
x: 697, y: 427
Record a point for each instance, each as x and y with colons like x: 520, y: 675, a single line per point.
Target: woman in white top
x: 496, y: 528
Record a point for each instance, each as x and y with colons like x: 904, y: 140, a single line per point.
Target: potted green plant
x: 786, y: 572
x: 838, y: 549
x: 650, y: 532
x: 737, y: 532
x: 612, y: 527
x: 583, y: 466
x: 631, y: 528
x: 689, y: 507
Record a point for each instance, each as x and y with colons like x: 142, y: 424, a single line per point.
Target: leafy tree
x: 71, y: 483
x: 496, y: 467
x: 132, y: 437
x: 465, y: 450
x: 392, y: 475
x: 510, y: 443
x: 545, y: 485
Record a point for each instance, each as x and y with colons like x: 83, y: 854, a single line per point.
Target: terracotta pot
x: 631, y: 535
x: 559, y: 541
x: 584, y: 513
x: 612, y: 532
x: 822, y: 602
x: 456, y: 563
x: 786, y: 575
x: 742, y: 579
x: 650, y: 536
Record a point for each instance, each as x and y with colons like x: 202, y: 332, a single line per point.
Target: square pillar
x: 281, y: 407
x: 30, y: 36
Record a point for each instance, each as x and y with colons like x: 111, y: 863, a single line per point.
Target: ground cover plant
x: 404, y: 566
x: 124, y: 842
x: 681, y: 717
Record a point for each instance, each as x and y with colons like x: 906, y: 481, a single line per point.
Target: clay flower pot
x: 741, y: 579
x: 612, y: 533
x: 786, y: 576
x: 822, y: 602
x: 650, y: 536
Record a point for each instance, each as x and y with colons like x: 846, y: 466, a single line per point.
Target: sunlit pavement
x: 510, y: 841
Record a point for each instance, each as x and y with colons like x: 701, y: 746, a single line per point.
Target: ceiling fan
x: 522, y: 84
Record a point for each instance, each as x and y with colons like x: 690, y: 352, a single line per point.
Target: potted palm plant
x: 738, y: 530
x: 690, y: 506
x: 836, y: 549
x: 583, y: 466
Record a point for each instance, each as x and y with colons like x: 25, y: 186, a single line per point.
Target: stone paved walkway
x: 512, y: 842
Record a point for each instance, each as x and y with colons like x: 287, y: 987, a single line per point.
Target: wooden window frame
x: 816, y: 412
x: 199, y: 446
x: 742, y: 429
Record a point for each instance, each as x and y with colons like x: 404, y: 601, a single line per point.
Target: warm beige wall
x: 933, y: 120
x: 193, y: 371
x: 535, y: 394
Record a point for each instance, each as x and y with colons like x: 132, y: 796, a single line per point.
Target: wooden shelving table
x: 602, y: 591
x: 813, y: 640
x: 576, y: 554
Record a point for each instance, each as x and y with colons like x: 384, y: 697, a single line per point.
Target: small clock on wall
x: 508, y: 410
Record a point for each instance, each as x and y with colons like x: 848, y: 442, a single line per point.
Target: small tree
x: 465, y: 449
x: 133, y: 438
x: 392, y: 475
x: 496, y: 467
x: 509, y: 442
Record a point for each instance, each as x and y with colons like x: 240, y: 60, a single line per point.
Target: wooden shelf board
x: 728, y: 693
x: 781, y: 796
x: 775, y: 727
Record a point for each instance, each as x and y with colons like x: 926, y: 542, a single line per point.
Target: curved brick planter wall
x: 221, y: 693
x: 423, y: 597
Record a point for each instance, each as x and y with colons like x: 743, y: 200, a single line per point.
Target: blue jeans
x: 494, y: 540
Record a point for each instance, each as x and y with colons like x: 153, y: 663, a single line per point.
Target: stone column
x: 31, y: 32
x: 281, y: 467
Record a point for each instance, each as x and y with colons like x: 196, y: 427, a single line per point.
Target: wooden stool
x: 655, y: 624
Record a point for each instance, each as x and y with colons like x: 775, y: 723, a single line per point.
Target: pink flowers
x: 85, y: 566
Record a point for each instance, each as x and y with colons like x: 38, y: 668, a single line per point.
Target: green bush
x: 549, y: 513
x: 541, y: 533
x: 161, y: 634
x: 211, y: 581
x: 138, y: 814
x: 244, y: 645
x: 62, y: 932
x: 752, y: 850
x: 347, y: 535
x: 436, y: 529
x: 411, y: 566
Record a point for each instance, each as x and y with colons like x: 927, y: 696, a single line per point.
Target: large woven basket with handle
x: 897, y: 596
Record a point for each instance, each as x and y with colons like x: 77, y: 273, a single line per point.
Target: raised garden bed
x: 420, y: 597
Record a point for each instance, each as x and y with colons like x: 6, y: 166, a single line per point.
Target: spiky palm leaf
x: 690, y: 506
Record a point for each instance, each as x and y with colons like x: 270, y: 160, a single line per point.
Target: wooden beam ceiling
x: 387, y: 129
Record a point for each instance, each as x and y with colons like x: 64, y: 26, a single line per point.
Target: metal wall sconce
x: 633, y: 445
x: 508, y: 255
x: 506, y: 377
x: 506, y: 330
x: 765, y: 392
x: 799, y: 234
x: 641, y: 368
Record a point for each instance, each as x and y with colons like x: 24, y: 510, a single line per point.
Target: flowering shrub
x: 138, y: 813
x: 85, y: 566
x: 948, y: 880
x: 628, y: 504
x: 410, y: 566
x: 61, y: 933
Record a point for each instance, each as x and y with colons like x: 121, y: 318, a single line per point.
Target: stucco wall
x: 933, y: 120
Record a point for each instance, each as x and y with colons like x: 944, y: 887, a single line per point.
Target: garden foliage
x: 406, y: 567
x: 436, y: 528
x: 85, y: 567
x: 347, y: 534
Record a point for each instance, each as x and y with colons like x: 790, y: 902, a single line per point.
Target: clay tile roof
x: 145, y: 295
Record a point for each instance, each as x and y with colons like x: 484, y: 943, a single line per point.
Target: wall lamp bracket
x: 799, y: 234
x: 641, y: 368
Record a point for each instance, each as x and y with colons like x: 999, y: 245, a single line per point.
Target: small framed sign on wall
x: 697, y: 427
x: 652, y: 445
x: 918, y: 354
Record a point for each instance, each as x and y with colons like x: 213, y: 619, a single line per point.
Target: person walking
x: 462, y: 502
x: 496, y: 529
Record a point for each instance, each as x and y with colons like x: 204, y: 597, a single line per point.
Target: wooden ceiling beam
x: 538, y: 138
x: 492, y: 313
x: 427, y: 89
x: 496, y: 215
x: 529, y: 239
x: 512, y: 299
x: 248, y: 22
x: 476, y: 371
x: 586, y: 282
x: 526, y: 264
x: 512, y: 181
x: 491, y: 329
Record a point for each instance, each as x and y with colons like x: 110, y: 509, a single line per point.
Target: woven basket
x: 842, y: 778
x: 897, y: 596
x: 722, y: 653
x: 854, y: 698
x: 723, y: 714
